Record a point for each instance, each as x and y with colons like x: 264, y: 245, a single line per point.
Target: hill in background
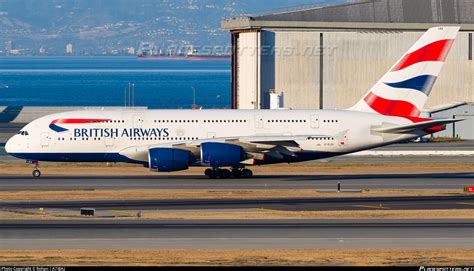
x: 99, y: 27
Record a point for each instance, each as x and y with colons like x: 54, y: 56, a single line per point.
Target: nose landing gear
x: 214, y: 173
x: 36, y: 173
x: 36, y: 170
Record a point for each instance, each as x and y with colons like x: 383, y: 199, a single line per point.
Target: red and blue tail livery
x: 435, y: 51
x: 59, y: 129
x: 404, y: 90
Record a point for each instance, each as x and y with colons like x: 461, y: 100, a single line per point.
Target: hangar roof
x: 366, y: 14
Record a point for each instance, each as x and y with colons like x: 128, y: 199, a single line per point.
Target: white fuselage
x: 112, y: 133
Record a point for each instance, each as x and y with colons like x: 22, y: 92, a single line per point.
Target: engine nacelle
x: 169, y: 159
x: 216, y: 154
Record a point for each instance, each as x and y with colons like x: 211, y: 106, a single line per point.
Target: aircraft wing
x: 285, y: 141
x: 248, y: 143
x: 257, y: 147
x: 402, y: 129
x: 254, y: 145
x: 265, y: 141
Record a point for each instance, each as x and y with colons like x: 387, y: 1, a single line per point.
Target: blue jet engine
x: 221, y: 154
x: 169, y: 159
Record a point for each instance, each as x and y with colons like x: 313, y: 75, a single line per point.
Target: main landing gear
x: 36, y: 170
x: 214, y: 173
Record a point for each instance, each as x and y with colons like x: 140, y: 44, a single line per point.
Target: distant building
x: 458, y: 110
x: 42, y: 51
x: 69, y: 49
x: 147, y: 49
x: 14, y: 52
x: 131, y: 51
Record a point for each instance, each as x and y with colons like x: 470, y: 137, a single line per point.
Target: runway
x: 362, y: 181
x: 230, y: 234
x: 284, y: 204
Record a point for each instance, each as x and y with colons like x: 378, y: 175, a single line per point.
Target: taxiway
x: 284, y: 204
x: 361, y: 181
x: 98, y: 234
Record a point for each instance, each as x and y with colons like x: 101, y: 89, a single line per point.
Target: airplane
x: 227, y: 142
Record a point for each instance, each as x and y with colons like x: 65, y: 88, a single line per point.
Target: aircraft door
x: 258, y: 121
x: 109, y: 141
x: 137, y: 121
x: 342, y: 138
x: 45, y: 138
x: 314, y: 121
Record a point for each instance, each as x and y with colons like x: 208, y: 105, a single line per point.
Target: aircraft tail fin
x: 404, y: 89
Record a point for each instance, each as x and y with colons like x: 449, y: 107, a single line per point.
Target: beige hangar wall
x: 288, y: 61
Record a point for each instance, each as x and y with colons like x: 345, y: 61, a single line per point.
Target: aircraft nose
x: 9, y: 146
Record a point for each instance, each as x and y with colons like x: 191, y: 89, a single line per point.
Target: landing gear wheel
x: 210, y: 173
x: 36, y: 168
x: 224, y: 173
x: 236, y: 173
x: 36, y: 173
x: 247, y: 173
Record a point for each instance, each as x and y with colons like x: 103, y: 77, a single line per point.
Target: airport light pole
x: 194, y: 106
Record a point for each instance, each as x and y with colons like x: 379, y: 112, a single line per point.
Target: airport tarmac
x: 96, y: 234
x: 318, y: 182
x: 464, y: 145
x: 282, y: 204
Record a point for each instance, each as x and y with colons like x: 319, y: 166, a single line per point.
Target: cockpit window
x: 23, y: 133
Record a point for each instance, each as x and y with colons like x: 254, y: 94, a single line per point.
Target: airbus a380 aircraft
x: 227, y: 141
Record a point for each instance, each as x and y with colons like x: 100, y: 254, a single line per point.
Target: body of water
x: 101, y: 81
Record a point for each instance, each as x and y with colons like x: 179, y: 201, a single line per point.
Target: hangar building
x: 329, y: 57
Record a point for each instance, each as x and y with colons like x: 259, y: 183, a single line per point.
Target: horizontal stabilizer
x: 402, y: 129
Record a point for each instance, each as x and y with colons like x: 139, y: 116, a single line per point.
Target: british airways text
x: 115, y: 132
